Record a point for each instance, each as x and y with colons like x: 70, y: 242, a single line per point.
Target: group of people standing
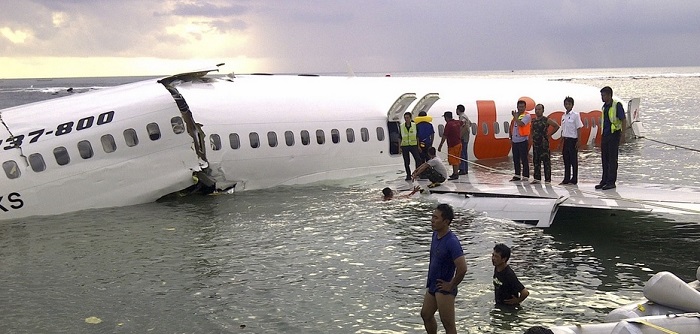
x: 417, y: 141
x: 523, y: 127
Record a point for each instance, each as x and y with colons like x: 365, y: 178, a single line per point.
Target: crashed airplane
x: 196, y: 132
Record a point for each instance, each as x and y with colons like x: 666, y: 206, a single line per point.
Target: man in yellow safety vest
x: 613, y: 134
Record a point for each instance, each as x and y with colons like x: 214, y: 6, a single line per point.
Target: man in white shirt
x: 571, y: 132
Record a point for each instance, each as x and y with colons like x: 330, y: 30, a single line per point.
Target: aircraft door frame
x: 425, y: 103
x: 394, y: 119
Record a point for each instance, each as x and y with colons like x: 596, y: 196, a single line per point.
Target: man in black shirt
x: 508, y: 289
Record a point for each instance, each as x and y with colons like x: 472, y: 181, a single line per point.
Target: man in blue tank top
x: 446, y: 270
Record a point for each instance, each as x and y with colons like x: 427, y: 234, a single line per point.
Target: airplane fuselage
x: 136, y: 143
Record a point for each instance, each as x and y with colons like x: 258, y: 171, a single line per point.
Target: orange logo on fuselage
x: 487, y: 146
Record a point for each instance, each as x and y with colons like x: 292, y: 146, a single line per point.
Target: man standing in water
x: 508, y: 289
x: 446, y: 270
x: 614, y: 125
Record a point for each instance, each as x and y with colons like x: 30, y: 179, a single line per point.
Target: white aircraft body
x: 138, y: 142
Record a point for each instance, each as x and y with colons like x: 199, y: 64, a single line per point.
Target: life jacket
x: 408, y: 136
x: 524, y: 130
x: 419, y: 119
x: 615, y: 124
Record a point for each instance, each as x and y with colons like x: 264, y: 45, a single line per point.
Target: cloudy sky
x: 67, y: 38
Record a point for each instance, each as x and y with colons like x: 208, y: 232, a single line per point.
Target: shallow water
x: 332, y: 257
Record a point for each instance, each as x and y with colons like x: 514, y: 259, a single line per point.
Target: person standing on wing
x: 519, y: 140
x: 540, y: 145
x: 409, y: 144
x: 571, y: 132
x: 464, y: 132
x: 452, y: 134
x: 613, y: 135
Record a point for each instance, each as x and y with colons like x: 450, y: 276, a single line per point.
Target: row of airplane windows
x: 289, y: 139
x: 85, y: 150
x: 37, y: 163
x: 131, y: 139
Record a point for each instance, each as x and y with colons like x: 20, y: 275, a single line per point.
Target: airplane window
x: 85, y: 149
x: 496, y: 128
x: 364, y: 133
x: 289, y: 138
x: 61, y: 155
x: 320, y: 137
x: 272, y: 138
x: 131, y: 138
x: 234, y: 141
x: 177, y: 124
x: 506, y: 127
x: 473, y: 128
x: 485, y: 128
x: 11, y: 169
x: 441, y: 130
x: 108, y: 143
x: 254, y: 140
x: 215, y: 142
x: 305, y: 138
x: 37, y: 162
x: 351, y: 135
x: 335, y: 136
x: 153, y: 131
x: 380, y: 133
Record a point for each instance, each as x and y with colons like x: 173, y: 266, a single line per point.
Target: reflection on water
x: 315, y: 259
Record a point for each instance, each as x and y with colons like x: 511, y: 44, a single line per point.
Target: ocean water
x: 333, y: 258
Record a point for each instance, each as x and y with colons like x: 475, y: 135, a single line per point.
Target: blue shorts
x: 432, y: 292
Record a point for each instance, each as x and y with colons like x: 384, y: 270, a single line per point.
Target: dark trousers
x: 463, y: 164
x: 424, y: 152
x: 433, y: 175
x: 540, y: 155
x: 520, y: 158
x: 412, y: 150
x: 608, y: 154
x: 570, y: 155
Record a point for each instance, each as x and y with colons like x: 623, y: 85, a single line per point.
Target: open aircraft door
x: 397, y: 109
x: 425, y: 103
x: 394, y: 119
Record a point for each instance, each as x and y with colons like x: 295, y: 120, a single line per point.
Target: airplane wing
x: 538, y: 204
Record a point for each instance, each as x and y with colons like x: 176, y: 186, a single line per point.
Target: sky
x: 83, y: 38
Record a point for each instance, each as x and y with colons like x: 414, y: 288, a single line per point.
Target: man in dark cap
x: 453, y: 136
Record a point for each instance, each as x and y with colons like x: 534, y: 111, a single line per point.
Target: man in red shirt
x: 453, y: 136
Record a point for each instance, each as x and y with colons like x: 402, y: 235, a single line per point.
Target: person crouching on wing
x: 433, y: 169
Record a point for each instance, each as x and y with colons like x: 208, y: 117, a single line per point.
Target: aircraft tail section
x: 634, y: 121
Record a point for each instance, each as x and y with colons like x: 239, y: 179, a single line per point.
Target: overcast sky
x: 59, y: 38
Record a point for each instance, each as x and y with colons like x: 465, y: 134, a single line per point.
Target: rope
x: 654, y: 326
x: 673, y: 145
